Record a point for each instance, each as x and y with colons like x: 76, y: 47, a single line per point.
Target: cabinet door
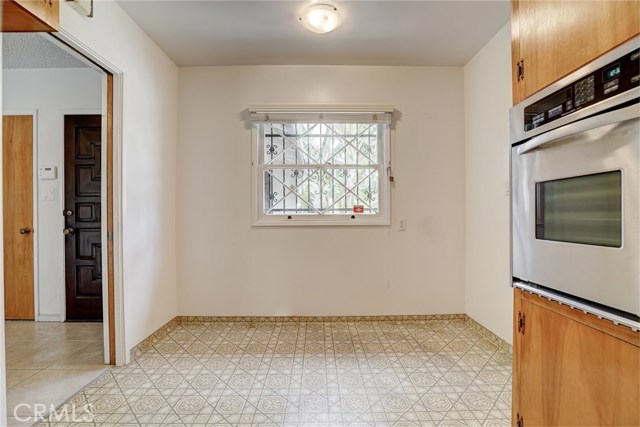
x: 558, y: 37
x: 570, y: 373
x: 30, y: 15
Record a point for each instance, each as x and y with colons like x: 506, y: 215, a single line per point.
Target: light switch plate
x: 48, y: 194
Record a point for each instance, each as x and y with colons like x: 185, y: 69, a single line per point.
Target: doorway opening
x: 58, y: 221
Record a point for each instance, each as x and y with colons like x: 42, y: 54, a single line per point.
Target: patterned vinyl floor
x: 443, y: 371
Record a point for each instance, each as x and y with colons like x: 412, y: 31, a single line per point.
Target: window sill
x: 306, y: 221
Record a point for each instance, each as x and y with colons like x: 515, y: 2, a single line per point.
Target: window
x: 313, y: 167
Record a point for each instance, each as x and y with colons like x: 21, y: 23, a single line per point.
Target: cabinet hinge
x: 519, y: 420
x: 521, y: 322
x: 109, y: 236
x: 520, y: 70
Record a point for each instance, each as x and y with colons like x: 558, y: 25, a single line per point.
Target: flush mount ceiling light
x: 321, y: 18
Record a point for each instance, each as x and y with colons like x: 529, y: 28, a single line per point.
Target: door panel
x: 17, y: 136
x: 572, y: 374
x: 83, y: 246
x: 543, y: 29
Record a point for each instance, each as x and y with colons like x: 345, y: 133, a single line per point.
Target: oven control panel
x: 608, y: 81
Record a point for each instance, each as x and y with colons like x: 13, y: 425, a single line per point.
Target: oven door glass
x: 584, y: 209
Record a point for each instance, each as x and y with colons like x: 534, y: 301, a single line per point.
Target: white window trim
x: 328, y: 114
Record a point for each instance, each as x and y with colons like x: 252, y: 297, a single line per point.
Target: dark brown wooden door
x: 83, y: 247
x: 17, y: 142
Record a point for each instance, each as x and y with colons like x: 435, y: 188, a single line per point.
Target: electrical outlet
x: 402, y: 224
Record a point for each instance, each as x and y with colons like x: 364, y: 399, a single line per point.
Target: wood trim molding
x: 110, y: 252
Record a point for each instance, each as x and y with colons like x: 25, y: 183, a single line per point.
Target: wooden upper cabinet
x: 551, y: 39
x: 30, y: 15
x: 572, y: 368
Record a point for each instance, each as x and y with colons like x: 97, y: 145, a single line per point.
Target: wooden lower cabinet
x: 571, y: 368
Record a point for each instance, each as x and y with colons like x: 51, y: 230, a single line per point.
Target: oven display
x: 552, y: 106
x: 610, y: 80
x: 584, y: 209
x: 611, y: 72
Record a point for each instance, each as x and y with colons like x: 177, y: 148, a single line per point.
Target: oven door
x: 575, y: 209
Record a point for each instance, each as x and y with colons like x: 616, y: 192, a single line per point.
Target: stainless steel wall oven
x: 575, y: 188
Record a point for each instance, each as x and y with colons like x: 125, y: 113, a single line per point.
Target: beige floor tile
x: 88, y: 355
x: 41, y: 355
x: 21, y: 421
x: 86, y: 331
x: 39, y: 331
x: 16, y: 376
x: 49, y: 387
x: 48, y: 362
x: 28, y: 330
x: 15, y: 348
x: 322, y: 373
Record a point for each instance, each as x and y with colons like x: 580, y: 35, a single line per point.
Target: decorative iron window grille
x: 322, y: 171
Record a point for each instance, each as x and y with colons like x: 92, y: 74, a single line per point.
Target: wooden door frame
x: 34, y: 200
x: 111, y: 206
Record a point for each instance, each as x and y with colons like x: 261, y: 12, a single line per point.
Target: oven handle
x: 621, y: 115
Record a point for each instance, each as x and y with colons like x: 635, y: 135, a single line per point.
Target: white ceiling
x: 212, y: 32
x: 33, y: 50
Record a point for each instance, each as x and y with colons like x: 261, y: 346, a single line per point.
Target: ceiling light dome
x: 321, y: 18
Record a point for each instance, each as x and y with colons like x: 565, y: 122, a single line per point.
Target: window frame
x: 305, y: 115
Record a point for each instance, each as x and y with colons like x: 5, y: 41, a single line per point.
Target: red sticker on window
x: 358, y: 209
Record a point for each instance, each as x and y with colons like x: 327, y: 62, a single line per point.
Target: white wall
x: 53, y: 93
x: 149, y: 156
x: 487, y: 88
x: 226, y: 267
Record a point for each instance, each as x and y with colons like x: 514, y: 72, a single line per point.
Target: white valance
x: 321, y: 113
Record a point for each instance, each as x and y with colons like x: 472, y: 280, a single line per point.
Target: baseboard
x: 150, y: 341
x: 49, y: 318
x: 486, y: 333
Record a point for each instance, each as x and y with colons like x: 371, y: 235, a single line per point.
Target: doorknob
x: 26, y: 230
x: 68, y: 231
